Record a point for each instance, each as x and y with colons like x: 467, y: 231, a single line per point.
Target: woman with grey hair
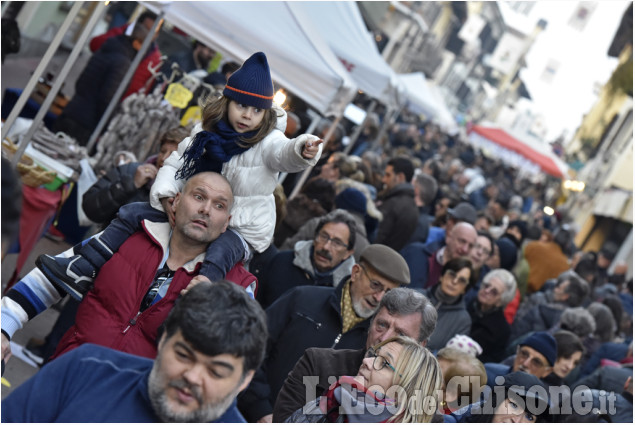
x: 577, y: 320
x: 489, y: 326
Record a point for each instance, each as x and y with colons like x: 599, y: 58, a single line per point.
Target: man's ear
x: 177, y: 199
x: 247, y: 380
x: 162, y: 340
x: 355, y: 270
x: 226, y: 223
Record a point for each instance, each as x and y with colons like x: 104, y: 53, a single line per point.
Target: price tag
x: 178, y: 96
x: 191, y: 116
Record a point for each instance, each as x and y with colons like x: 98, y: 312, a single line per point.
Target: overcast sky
x: 579, y: 58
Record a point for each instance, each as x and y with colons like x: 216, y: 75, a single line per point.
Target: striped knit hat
x: 251, y: 84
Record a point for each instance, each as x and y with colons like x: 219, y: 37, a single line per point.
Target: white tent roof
x: 342, y: 26
x: 299, y: 58
x: 425, y: 98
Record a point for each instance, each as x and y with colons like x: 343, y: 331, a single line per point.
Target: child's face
x: 244, y: 118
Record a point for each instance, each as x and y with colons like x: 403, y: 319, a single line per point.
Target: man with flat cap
x: 329, y: 317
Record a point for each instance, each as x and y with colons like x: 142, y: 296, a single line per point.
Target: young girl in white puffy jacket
x: 242, y: 137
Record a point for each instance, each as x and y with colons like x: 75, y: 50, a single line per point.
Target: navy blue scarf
x: 210, y: 150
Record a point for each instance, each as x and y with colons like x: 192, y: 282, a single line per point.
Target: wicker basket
x: 30, y: 173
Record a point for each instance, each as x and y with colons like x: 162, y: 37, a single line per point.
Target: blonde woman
x: 398, y: 381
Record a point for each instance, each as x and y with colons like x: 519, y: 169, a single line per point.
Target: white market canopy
x: 299, y: 58
x: 342, y: 26
x: 426, y: 98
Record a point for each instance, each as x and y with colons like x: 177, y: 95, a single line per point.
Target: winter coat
x: 546, y: 261
x: 104, y: 198
x: 607, y: 378
x: 253, y: 176
x: 452, y: 319
x: 99, y: 81
x: 289, y: 269
x: 322, y: 363
x: 420, y: 257
x: 491, y: 330
x: 308, y: 316
x: 109, y: 313
x: 539, y: 318
x: 400, y: 216
x: 422, y: 229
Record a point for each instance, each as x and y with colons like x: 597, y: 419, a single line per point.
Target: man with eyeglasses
x: 214, y: 340
x: 136, y: 289
x: 402, y: 311
x: 313, y: 316
x: 323, y: 261
x: 535, y: 355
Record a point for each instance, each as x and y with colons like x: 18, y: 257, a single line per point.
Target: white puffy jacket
x: 253, y: 176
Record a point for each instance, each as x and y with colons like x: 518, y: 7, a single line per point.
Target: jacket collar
x: 160, y: 234
x: 335, y: 301
x: 401, y: 189
x: 303, y: 251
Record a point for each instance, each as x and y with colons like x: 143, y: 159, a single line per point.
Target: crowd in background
x: 511, y: 292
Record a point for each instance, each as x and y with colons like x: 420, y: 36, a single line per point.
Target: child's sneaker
x: 74, y: 275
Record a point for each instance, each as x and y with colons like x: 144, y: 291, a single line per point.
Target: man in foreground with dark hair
x: 213, y: 342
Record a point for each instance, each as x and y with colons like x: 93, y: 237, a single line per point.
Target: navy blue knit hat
x: 544, y: 343
x: 351, y: 200
x: 251, y: 84
x: 508, y: 253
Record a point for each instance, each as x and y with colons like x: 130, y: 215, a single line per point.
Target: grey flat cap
x: 387, y: 262
x: 464, y: 211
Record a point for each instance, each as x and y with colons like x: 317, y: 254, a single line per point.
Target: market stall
x: 532, y: 159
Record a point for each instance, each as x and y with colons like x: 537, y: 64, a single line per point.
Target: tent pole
x: 306, y: 172
x: 360, y: 127
x: 309, y: 130
x: 124, y: 83
x: 389, y: 121
x: 26, y: 93
x: 59, y: 80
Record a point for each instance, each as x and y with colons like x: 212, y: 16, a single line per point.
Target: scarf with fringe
x: 210, y: 150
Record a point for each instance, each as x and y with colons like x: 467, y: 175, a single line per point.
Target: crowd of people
x: 412, y: 280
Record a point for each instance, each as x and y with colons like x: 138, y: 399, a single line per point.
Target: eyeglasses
x: 482, y: 249
x: 523, y: 355
x: 380, y: 361
x: 375, y: 285
x: 488, y: 287
x: 324, y: 238
x: 163, y: 275
x: 452, y: 274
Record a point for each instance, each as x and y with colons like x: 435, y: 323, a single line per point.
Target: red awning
x: 504, y: 139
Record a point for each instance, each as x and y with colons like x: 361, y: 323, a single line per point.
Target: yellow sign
x: 191, y: 116
x: 178, y: 96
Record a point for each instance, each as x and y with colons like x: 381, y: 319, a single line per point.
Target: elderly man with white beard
x: 312, y: 316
